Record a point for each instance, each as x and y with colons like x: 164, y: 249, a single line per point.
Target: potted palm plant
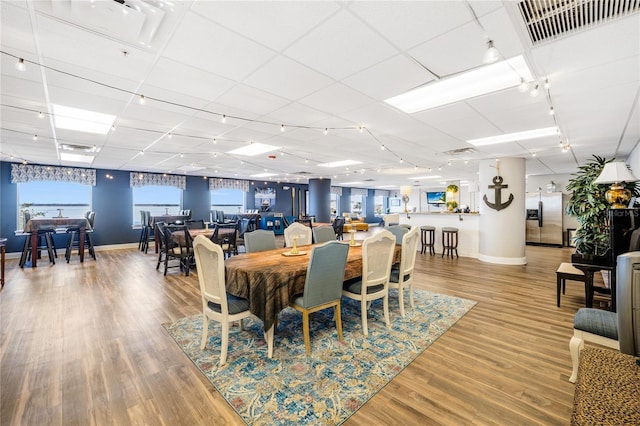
x: 589, y: 206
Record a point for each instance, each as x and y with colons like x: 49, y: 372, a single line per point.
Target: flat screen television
x: 438, y: 197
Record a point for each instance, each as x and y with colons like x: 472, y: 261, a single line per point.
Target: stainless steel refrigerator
x: 544, y: 218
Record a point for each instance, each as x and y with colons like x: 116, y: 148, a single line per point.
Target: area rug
x: 331, y: 384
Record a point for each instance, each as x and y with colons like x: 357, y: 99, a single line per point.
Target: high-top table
x: 270, y: 280
x: 37, y: 223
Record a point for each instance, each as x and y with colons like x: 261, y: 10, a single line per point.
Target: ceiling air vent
x: 548, y: 20
x: 460, y: 151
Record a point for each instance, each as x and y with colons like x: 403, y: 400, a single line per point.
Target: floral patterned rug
x: 332, y: 383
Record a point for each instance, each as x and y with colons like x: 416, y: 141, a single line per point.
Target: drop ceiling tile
x: 287, y: 78
x: 253, y: 101
x: 273, y: 24
x: 221, y: 54
x: 336, y: 99
x: 340, y: 46
x: 408, y: 24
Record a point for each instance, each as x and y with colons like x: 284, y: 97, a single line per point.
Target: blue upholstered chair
x: 323, y: 285
x: 217, y: 304
x: 259, y: 240
x: 323, y: 234
x: 398, y: 232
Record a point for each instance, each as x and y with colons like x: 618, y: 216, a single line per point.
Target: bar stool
x: 428, y: 238
x: 449, y: 241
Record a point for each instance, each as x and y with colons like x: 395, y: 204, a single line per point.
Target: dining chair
x: 224, y: 235
x: 323, y: 234
x: 338, y: 227
x: 402, y: 276
x: 398, y: 231
x: 259, y: 240
x: 377, y: 255
x: 322, y: 286
x: 243, y: 227
x: 300, y: 231
x: 170, y: 250
x: 217, y: 304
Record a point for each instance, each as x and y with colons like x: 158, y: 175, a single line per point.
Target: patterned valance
x: 337, y: 190
x: 381, y: 193
x: 23, y: 173
x: 359, y: 191
x: 219, y: 183
x: 155, y: 179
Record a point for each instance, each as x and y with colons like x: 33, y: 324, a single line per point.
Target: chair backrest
x: 195, y: 223
x: 300, y: 231
x: 243, y: 226
x: 210, y: 267
x: 92, y: 219
x: 26, y: 216
x: 169, y: 230
x: 323, y: 234
x: 398, y: 231
x: 259, y: 240
x: 338, y: 226
x: 409, y: 251
x: 377, y: 255
x: 325, y: 274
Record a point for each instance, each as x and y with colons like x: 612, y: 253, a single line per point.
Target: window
x: 380, y: 203
x: 159, y: 200
x: 357, y: 205
x: 334, y: 202
x: 52, y: 199
x: 230, y: 201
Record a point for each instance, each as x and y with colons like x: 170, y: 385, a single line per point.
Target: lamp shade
x: 405, y: 190
x: 615, y: 172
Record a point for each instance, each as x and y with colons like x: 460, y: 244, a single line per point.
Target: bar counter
x: 468, y: 225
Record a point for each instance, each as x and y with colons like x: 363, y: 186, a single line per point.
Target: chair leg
x: 385, y: 308
x: 363, y: 315
x: 401, y: 299
x: 49, y: 241
x: 558, y: 288
x: 305, y: 331
x: 224, y: 345
x: 205, y: 331
x: 411, y: 293
x: 338, y: 317
x: 25, y: 251
x: 576, y: 344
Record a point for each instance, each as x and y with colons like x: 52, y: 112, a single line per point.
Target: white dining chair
x: 402, y: 276
x: 301, y: 232
x: 217, y: 304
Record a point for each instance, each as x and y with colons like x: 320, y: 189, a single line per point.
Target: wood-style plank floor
x: 83, y: 344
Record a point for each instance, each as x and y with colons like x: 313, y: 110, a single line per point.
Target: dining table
x: 270, y: 279
x: 53, y: 223
x: 178, y: 237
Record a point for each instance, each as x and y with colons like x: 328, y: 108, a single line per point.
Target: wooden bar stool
x: 428, y: 239
x: 449, y: 241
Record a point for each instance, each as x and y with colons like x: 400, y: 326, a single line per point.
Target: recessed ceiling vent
x: 460, y: 151
x: 548, y: 20
x: 80, y: 148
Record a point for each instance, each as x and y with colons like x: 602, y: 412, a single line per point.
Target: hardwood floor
x: 83, y: 344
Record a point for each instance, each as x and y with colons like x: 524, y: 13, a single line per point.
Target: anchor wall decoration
x: 497, y: 187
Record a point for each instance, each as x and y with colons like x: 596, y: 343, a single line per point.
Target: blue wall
x: 112, y: 200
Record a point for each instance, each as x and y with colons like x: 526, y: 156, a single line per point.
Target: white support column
x: 502, y: 231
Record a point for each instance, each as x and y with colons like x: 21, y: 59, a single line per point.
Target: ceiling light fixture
x: 82, y: 120
x: 477, y: 82
x: 214, y: 141
x: 40, y: 114
x: 491, y: 54
x: 340, y: 163
x: 141, y: 100
x: 35, y: 137
x: 282, y: 128
x: 551, y: 111
x: 513, y: 137
x: 523, y: 86
x: 252, y: 149
x: 224, y: 118
x: 326, y: 130
x: 534, y: 92
x: 20, y: 65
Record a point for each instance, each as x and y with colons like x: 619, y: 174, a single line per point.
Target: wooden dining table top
x: 270, y: 280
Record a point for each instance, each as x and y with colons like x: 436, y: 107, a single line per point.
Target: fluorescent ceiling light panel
x: 517, y: 136
x: 340, y: 163
x: 82, y: 120
x: 477, y: 82
x: 350, y: 183
x: 425, y: 177
x: 76, y: 158
x: 263, y: 175
x: 255, y: 148
x: 386, y: 186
